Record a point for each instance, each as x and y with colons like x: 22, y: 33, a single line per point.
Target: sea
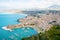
x: 18, y: 33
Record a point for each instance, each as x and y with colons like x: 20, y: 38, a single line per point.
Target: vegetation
x: 32, y: 24
x: 52, y: 34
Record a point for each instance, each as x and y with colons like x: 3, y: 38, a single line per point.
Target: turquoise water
x: 17, y: 34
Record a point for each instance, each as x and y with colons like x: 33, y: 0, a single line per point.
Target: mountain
x: 54, y: 7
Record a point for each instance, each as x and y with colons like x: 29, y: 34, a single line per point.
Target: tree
x: 53, y: 33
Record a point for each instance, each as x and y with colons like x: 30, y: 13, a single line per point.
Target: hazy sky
x: 26, y: 4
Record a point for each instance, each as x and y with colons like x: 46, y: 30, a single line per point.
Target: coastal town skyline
x: 29, y: 19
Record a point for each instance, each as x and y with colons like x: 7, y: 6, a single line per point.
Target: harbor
x: 42, y: 23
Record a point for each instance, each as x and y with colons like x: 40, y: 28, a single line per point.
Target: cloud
x: 26, y: 4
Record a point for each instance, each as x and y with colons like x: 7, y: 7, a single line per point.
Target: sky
x: 27, y: 4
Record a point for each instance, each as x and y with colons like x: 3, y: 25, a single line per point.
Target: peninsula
x: 40, y: 22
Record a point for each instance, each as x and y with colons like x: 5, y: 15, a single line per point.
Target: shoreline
x: 35, y: 22
x: 5, y: 28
